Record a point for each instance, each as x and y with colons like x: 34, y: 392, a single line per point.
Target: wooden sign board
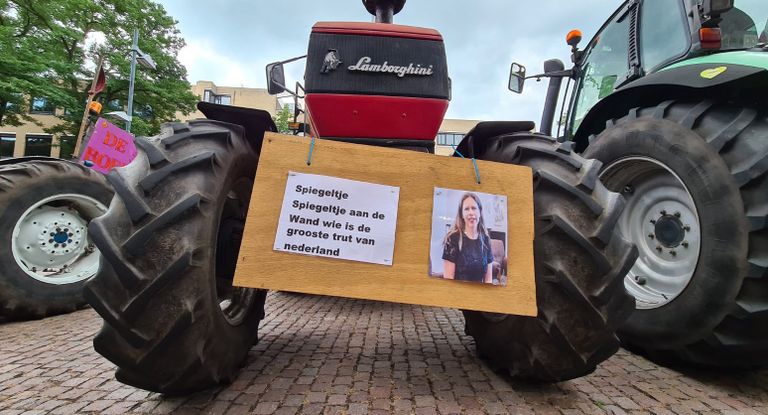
x: 407, y: 280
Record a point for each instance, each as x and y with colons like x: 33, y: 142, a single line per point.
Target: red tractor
x: 173, y: 322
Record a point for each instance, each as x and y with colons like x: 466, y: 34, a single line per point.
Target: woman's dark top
x: 473, y: 258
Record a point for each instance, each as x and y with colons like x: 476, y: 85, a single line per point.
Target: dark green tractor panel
x: 720, y: 81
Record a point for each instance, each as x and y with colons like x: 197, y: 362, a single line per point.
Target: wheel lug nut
x: 673, y: 253
x: 687, y: 228
x: 653, y: 222
x: 628, y: 189
x: 650, y: 235
x: 50, y: 241
x: 70, y: 234
x: 658, y: 248
x: 685, y: 244
x: 55, y: 245
x: 640, y: 280
x: 677, y: 214
x: 663, y: 212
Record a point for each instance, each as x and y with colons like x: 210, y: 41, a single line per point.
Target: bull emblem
x: 331, y: 61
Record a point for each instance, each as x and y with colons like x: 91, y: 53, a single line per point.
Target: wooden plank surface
x: 407, y: 280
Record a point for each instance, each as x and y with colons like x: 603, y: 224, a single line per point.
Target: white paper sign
x: 338, y: 218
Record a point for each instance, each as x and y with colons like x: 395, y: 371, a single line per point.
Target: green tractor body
x: 672, y: 98
x: 758, y: 60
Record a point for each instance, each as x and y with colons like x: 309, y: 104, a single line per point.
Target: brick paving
x: 331, y: 355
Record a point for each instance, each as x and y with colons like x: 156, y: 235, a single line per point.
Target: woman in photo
x: 467, y: 252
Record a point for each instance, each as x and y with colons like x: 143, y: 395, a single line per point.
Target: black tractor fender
x: 475, y: 141
x: 738, y: 83
x: 255, y: 122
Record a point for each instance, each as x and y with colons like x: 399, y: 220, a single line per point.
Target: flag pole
x: 91, y: 95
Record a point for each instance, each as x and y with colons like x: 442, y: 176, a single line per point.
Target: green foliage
x: 43, y: 54
x: 282, y: 118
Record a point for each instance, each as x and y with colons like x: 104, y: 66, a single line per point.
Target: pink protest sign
x: 108, y: 147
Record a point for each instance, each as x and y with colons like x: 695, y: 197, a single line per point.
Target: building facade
x: 30, y: 139
x: 230, y: 95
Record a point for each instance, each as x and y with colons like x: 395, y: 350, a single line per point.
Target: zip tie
x: 477, y: 171
x: 474, y: 163
x: 311, y: 148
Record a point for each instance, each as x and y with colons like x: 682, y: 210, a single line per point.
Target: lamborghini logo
x: 331, y: 61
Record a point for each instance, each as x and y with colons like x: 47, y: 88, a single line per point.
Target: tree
x: 43, y: 53
x: 282, y: 118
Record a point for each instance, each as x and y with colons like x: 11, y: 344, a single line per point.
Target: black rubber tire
x: 163, y: 325
x: 720, y: 152
x: 579, y: 262
x: 22, y: 185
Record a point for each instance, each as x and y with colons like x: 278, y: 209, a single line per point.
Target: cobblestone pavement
x: 332, y: 355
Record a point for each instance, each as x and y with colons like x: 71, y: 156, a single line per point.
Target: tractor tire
x: 694, y: 176
x: 46, y: 254
x: 579, y: 261
x: 173, y: 323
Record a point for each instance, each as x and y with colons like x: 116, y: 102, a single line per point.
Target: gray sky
x: 229, y: 42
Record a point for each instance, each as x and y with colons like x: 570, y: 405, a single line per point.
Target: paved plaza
x: 331, y: 355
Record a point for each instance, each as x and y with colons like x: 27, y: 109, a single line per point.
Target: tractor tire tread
x: 579, y: 310
x: 137, y: 209
x: 156, y: 296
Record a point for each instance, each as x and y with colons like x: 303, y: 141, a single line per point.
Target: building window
x: 7, y: 143
x: 41, y: 106
x: 13, y: 101
x: 449, y: 139
x: 66, y: 146
x: 38, y: 145
x: 209, y: 96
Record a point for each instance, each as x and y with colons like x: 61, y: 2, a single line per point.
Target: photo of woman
x: 464, y: 248
x: 467, y: 246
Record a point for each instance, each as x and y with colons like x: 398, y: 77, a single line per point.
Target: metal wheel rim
x: 37, y: 243
x: 667, y: 259
x: 235, y: 303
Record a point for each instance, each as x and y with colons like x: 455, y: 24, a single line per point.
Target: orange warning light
x: 95, y: 108
x: 573, y: 37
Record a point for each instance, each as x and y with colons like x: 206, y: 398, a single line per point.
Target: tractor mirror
x: 275, y: 78
x: 516, y: 78
x: 717, y: 7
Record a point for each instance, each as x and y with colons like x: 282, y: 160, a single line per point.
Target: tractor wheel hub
x: 669, y: 231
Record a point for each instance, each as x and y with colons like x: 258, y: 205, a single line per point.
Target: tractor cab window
x: 664, y: 32
x: 605, y: 65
